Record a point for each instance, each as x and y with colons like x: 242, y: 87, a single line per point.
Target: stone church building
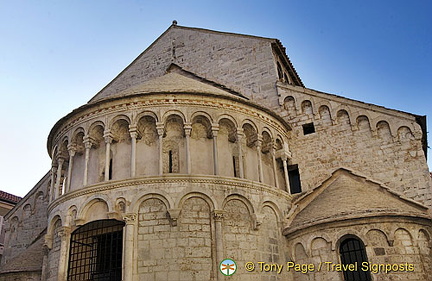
x: 209, y: 146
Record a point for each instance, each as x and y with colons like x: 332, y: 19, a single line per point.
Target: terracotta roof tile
x: 9, y: 197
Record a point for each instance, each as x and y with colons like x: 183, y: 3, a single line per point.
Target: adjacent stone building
x: 209, y: 146
x: 7, y: 202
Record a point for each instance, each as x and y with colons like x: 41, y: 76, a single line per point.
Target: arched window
x: 279, y: 71
x: 96, y: 251
x: 352, y: 250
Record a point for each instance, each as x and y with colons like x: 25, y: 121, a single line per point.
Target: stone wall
x: 382, y: 144
x: 27, y: 221
x: 387, y: 242
x: 242, y: 63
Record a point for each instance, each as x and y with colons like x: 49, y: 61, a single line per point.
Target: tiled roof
x: 4, y: 196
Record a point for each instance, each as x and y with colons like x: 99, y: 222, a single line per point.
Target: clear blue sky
x: 56, y: 55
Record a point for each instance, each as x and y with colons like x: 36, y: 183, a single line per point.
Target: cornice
x: 355, y: 219
x: 218, y: 181
x: 347, y: 101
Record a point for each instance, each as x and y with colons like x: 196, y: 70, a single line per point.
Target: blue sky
x: 56, y: 55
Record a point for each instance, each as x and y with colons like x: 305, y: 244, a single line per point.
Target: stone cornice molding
x: 218, y: 181
x: 355, y: 219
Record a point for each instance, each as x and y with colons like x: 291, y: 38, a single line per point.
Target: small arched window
x: 352, y: 251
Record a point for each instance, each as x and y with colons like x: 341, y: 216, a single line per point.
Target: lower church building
x: 207, y: 158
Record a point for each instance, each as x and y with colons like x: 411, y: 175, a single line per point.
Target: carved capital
x: 187, y: 128
x: 130, y: 218
x: 257, y: 221
x: 215, y: 130
x: 259, y: 141
x: 60, y: 160
x: 218, y: 215
x: 108, y: 137
x: 72, y: 149
x: 89, y: 142
x: 133, y: 130
x: 240, y: 133
x: 48, y: 241
x: 173, y: 215
x: 160, y: 128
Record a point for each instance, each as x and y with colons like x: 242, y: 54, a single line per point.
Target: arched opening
x: 120, y: 156
x: 250, y: 156
x: 173, y: 148
x: 147, y: 151
x: 96, y: 251
x: 201, y: 143
x: 228, y: 151
x: 352, y: 251
x: 96, y: 164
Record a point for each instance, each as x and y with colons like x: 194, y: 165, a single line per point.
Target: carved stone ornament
x: 173, y: 215
x: 218, y: 215
x: 130, y: 218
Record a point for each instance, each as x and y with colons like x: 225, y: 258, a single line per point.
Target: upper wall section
x: 246, y: 64
x: 329, y: 132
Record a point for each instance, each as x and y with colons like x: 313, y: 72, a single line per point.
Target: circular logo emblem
x: 227, y: 267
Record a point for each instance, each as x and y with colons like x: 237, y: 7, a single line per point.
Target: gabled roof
x: 177, y: 81
x: 346, y: 195
x: 124, y: 80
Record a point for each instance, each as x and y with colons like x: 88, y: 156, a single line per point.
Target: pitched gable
x: 348, y: 196
x: 245, y: 64
x: 178, y: 81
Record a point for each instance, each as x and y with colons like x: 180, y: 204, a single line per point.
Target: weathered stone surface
x: 194, y: 150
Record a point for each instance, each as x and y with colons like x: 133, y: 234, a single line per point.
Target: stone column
x: 188, y: 128
x: 64, y: 235
x: 273, y: 154
x: 240, y: 151
x: 218, y: 218
x: 260, y: 167
x: 72, y: 150
x: 60, y: 162
x: 128, y: 249
x: 108, y: 139
x: 45, y: 252
x: 88, y: 143
x: 134, y: 134
x: 160, y: 130
x: 285, y: 167
x: 53, y: 184
x: 215, y: 130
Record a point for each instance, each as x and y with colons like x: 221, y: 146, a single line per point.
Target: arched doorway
x: 96, y: 251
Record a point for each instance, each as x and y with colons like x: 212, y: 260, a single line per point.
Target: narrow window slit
x: 170, y: 161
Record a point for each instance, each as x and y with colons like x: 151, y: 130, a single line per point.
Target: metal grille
x: 96, y: 251
x: 352, y: 251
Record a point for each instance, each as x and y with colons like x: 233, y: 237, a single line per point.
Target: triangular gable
x: 176, y: 80
x: 346, y: 195
x: 156, y: 58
